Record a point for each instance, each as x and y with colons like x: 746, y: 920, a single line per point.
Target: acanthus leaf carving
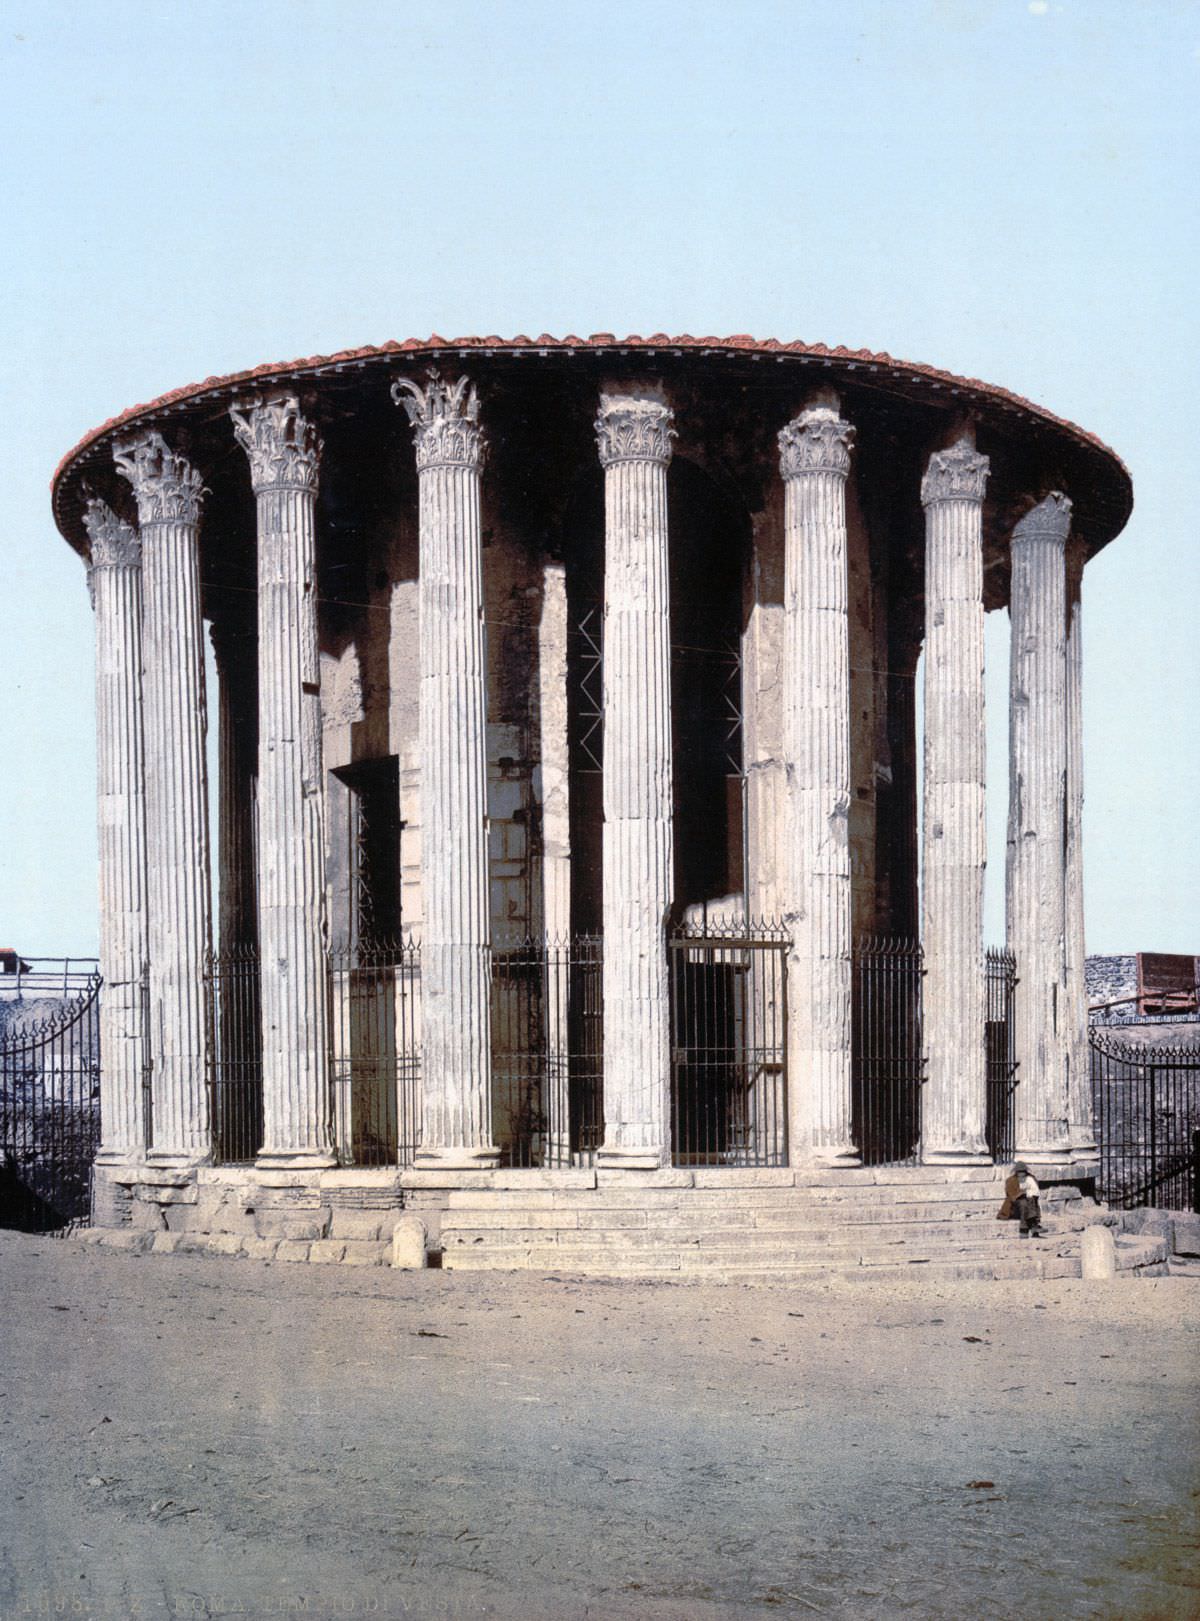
x: 445, y: 421
x: 284, y: 447
x: 957, y: 474
x: 817, y: 441
x: 165, y: 486
x: 1049, y: 520
x: 634, y: 427
x: 114, y: 542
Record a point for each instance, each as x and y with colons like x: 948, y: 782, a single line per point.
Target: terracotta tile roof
x: 901, y: 370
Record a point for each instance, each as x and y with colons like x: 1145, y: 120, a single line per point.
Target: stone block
x: 123, y: 1238
x: 168, y: 1193
x: 145, y: 1216
x: 260, y: 1249
x: 409, y: 1244
x: 224, y: 1244
x: 360, y: 1253
x: 291, y: 1249
x: 326, y: 1250
x: 168, y: 1243
x: 1187, y: 1233
x: 303, y: 1225
x: 359, y: 1224
x: 1097, y: 1253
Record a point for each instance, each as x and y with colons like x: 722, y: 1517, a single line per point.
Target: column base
x: 167, y: 1161
x: 457, y: 1159
x: 281, y: 1159
x: 119, y: 1158
x: 956, y: 1156
x: 828, y: 1159
x: 1045, y: 1154
x: 632, y: 1159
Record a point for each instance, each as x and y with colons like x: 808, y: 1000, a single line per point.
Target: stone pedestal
x: 283, y: 450
x: 1037, y: 830
x: 814, y: 461
x: 1079, y: 1080
x: 168, y: 493
x: 115, y: 579
x: 955, y: 844
x: 455, y: 950
x: 634, y: 436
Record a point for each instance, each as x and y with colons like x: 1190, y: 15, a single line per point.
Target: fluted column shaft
x: 115, y: 579
x: 953, y: 817
x: 455, y: 952
x: 815, y: 461
x: 1035, y: 888
x: 634, y: 436
x: 284, y: 452
x: 1079, y: 1080
x: 168, y: 495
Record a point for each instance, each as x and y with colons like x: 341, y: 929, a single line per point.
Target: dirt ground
x: 188, y: 1437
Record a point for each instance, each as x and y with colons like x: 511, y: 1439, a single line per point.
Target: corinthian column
x: 814, y: 458
x: 955, y: 849
x: 456, y: 1129
x: 168, y: 493
x: 1079, y: 1080
x: 115, y: 578
x: 634, y: 436
x: 284, y: 450
x: 1035, y: 889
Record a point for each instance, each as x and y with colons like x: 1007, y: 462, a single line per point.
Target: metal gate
x: 887, y: 1066
x: 49, y: 1105
x: 729, y: 1046
x: 1146, y: 1103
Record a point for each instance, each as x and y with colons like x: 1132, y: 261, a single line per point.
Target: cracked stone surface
x: 203, y: 1438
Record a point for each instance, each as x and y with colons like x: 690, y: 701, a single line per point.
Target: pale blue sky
x: 1003, y: 188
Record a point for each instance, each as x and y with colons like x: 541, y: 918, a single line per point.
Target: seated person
x: 1021, y: 1201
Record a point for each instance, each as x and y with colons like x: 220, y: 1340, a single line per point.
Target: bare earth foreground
x: 195, y: 1437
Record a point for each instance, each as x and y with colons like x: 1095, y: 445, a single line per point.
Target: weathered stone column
x: 1035, y: 887
x: 634, y: 434
x: 455, y: 951
x: 169, y: 493
x: 955, y: 845
x: 814, y: 453
x: 115, y: 579
x: 1079, y: 1079
x: 284, y: 450
x: 554, y: 780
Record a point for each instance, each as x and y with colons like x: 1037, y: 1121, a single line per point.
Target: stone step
x: 1141, y: 1257
x: 762, y: 1218
x: 737, y: 1198
x: 822, y: 1239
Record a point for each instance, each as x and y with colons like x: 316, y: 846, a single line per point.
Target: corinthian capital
x: 957, y: 474
x: 634, y: 428
x: 165, y: 486
x: 445, y: 419
x: 284, y: 448
x: 115, y: 543
x: 1049, y: 520
x: 817, y: 441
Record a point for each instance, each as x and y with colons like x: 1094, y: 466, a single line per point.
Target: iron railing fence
x: 547, y: 1050
x: 50, y: 1112
x: 1146, y: 1103
x: 235, y: 1048
x: 375, y: 1050
x: 728, y: 993
x: 1002, y: 1077
x: 887, y: 1060
x: 30, y: 978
